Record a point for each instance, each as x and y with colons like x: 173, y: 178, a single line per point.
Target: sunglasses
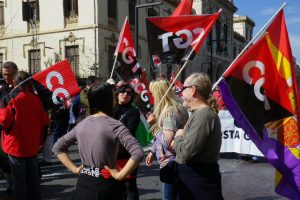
x: 128, y: 90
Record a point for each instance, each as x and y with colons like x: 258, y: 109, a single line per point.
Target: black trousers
x: 130, y: 190
x: 199, y: 181
x: 91, y: 188
x: 4, y: 164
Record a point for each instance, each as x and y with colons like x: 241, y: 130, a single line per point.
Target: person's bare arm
x: 68, y: 163
x: 128, y: 169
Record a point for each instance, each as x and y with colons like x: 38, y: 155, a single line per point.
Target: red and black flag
x: 144, y: 101
x: 127, y: 65
x: 178, y: 38
x: 177, y: 85
x: 56, y: 84
x: 258, y: 95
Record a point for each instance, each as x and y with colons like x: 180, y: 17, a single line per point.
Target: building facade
x: 36, y: 34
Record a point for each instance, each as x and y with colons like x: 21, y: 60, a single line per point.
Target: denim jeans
x: 60, y: 128
x: 169, y: 192
x: 25, y: 178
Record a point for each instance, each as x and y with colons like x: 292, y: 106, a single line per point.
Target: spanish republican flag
x: 278, y: 41
x: 258, y: 96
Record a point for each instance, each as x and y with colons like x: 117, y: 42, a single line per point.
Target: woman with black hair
x: 98, y: 138
x: 126, y: 113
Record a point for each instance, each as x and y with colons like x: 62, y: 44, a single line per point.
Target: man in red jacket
x: 24, y: 122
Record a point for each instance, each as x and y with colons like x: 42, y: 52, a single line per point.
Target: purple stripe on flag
x: 277, y: 154
x: 238, y: 115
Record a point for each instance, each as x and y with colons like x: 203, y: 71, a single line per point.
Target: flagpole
x: 118, y: 45
x: 250, y: 43
x: 20, y: 84
x: 170, y: 87
x: 113, y: 69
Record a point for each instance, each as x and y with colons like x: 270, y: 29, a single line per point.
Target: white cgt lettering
x: 59, y: 90
x: 179, y: 42
x: 129, y: 59
x: 143, y: 93
x: 259, y: 83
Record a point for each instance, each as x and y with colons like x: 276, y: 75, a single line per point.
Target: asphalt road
x: 241, y: 180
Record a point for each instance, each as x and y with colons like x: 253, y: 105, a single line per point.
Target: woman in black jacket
x: 130, y: 117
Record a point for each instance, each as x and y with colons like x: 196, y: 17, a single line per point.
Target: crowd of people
x: 102, y: 120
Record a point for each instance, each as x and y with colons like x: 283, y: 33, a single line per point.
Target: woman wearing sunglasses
x: 130, y: 117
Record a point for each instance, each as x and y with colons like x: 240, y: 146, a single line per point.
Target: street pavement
x: 241, y: 180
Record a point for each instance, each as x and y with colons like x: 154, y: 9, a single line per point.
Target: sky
x: 260, y: 11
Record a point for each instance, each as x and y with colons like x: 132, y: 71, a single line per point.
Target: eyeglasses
x: 185, y: 87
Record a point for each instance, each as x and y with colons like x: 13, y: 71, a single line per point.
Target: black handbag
x: 167, y: 174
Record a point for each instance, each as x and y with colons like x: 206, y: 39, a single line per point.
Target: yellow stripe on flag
x: 296, y: 152
x: 284, y: 68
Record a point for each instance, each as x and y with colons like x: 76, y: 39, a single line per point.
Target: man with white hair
x: 197, y: 146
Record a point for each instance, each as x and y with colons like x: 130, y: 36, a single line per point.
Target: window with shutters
x: 70, y: 11
x: 1, y: 13
x: 72, y: 54
x: 34, y: 57
x: 31, y: 12
x: 112, y: 12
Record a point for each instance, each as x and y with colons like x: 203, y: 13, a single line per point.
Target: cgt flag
x: 56, y: 84
x: 178, y: 38
x: 144, y: 101
x: 257, y: 96
x: 177, y: 85
x: 127, y: 63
